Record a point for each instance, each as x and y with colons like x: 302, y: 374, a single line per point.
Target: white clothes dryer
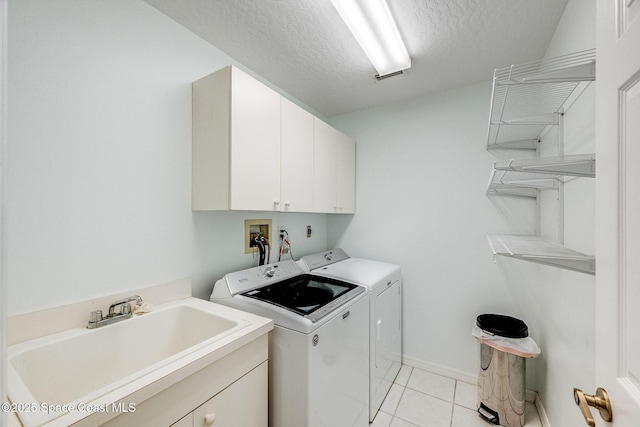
x: 383, y: 282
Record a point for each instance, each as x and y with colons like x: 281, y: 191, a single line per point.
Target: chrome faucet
x: 95, y: 317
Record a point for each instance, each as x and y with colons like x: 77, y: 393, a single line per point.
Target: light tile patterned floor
x: 420, y: 398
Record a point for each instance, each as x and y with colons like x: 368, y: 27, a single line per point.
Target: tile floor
x: 421, y: 398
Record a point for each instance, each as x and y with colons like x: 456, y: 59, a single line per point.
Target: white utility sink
x: 78, y: 366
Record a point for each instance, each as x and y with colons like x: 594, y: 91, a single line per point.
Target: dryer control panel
x: 313, y: 261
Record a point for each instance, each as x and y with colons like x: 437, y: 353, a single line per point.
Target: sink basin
x: 79, y: 365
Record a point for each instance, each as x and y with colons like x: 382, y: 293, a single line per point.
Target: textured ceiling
x: 303, y: 47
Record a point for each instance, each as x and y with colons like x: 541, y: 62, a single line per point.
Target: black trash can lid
x: 504, y: 326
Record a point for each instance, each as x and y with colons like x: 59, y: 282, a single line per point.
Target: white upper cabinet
x: 255, y: 150
x: 296, y: 158
x: 325, y: 167
x: 346, y: 192
x: 236, y: 143
x: 334, y: 170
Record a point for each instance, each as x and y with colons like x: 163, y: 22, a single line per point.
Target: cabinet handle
x: 209, y: 419
x: 287, y: 204
x: 276, y: 203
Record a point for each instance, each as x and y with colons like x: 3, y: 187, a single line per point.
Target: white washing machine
x: 319, y: 347
x: 384, y: 285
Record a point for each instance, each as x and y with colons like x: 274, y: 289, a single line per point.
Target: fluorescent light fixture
x: 372, y: 25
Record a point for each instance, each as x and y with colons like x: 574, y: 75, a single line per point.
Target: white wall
x: 99, y: 157
x: 422, y: 171
x: 98, y: 188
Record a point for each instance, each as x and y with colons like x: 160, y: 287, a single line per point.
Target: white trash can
x: 504, y: 346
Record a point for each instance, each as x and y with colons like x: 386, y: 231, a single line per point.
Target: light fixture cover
x: 373, y: 26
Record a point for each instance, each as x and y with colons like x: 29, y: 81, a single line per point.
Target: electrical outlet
x: 308, y: 231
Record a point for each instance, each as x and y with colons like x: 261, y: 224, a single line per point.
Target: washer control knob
x: 328, y: 256
x: 270, y: 272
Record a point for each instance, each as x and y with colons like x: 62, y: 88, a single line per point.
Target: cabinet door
x: 186, y: 421
x: 296, y: 159
x: 334, y: 170
x: 243, y: 403
x: 325, y: 167
x: 346, y: 196
x: 255, y: 144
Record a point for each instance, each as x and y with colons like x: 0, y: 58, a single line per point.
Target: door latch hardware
x: 600, y: 401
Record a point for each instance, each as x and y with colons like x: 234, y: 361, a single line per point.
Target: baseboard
x: 466, y: 377
x: 445, y: 371
x: 542, y: 413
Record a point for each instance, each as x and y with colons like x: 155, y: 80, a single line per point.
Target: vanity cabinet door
x: 186, y: 421
x: 243, y: 403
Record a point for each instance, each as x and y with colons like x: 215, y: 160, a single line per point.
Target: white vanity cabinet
x: 334, y: 170
x: 296, y: 158
x: 236, y: 143
x: 229, y: 407
x: 186, y: 421
x: 230, y: 392
x: 243, y: 403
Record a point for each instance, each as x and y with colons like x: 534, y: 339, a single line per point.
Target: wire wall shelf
x: 528, y: 98
x: 583, y: 165
x: 519, y: 183
x: 541, y: 251
x: 524, y: 177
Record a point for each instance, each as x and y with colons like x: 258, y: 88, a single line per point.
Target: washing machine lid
x: 307, y: 295
x: 363, y: 272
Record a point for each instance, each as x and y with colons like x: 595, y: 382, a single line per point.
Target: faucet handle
x: 95, y: 316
